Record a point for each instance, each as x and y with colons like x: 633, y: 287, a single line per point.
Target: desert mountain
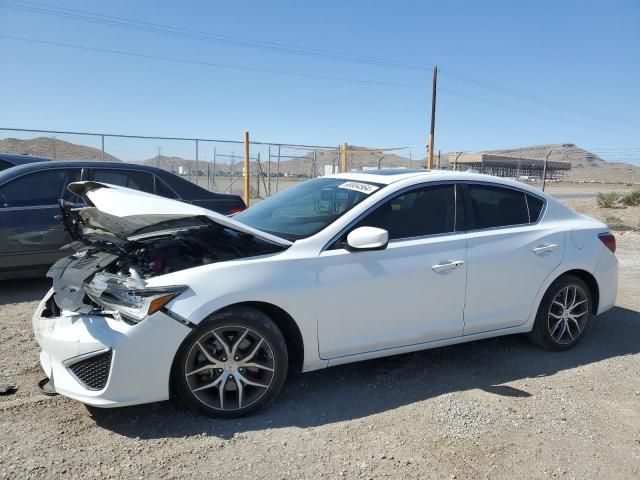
x: 53, y: 148
x: 585, y: 166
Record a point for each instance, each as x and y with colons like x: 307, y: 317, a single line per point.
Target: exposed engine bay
x: 188, y: 248
x: 103, y: 261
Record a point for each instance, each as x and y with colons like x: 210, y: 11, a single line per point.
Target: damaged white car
x: 162, y: 298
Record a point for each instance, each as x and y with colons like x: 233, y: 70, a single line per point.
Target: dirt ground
x: 498, y: 408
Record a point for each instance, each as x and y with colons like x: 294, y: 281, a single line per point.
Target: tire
x: 210, y: 379
x: 557, y: 327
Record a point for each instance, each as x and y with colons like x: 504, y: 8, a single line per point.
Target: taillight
x: 609, y: 241
x: 233, y: 211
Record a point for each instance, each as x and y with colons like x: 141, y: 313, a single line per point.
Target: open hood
x: 123, y: 211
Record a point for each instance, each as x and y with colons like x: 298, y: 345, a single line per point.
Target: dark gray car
x: 31, y: 232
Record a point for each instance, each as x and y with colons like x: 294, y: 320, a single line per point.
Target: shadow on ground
x: 23, y: 290
x: 361, y: 389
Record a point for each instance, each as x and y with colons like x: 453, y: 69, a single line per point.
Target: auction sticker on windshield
x: 359, y: 187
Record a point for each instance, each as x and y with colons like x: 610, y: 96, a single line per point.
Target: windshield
x: 307, y: 208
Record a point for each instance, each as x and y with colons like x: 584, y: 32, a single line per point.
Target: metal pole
x: 544, y: 170
x: 433, y: 118
x: 438, y: 159
x: 313, y: 167
x: 102, y: 147
x: 409, y: 158
x: 233, y: 160
x: 258, y: 175
x: 214, y: 169
x: 455, y: 162
x: 246, y: 168
x: 278, y: 169
x: 269, y: 172
x: 343, y: 165
x: 197, y: 171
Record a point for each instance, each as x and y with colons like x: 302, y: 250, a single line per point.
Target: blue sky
x: 578, y: 59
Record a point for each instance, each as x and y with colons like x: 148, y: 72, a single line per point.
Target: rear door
x: 142, y: 181
x: 511, y: 251
x: 30, y: 232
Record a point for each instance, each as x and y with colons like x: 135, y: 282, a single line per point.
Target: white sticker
x: 359, y: 187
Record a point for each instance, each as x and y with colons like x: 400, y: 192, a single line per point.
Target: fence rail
x: 220, y: 165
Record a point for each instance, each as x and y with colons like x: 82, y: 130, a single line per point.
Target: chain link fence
x: 217, y: 165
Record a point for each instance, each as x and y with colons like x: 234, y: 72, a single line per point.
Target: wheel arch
x: 284, y: 321
x: 591, y: 282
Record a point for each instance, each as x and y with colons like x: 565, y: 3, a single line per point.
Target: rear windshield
x: 307, y: 208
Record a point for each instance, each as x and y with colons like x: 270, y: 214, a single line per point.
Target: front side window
x: 428, y: 210
x: 38, y: 188
x: 303, y: 210
x: 130, y: 179
x: 493, y: 206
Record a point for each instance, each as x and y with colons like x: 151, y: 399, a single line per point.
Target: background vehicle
x: 338, y: 269
x: 31, y: 233
x: 8, y: 160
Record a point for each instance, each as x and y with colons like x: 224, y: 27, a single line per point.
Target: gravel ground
x: 499, y: 408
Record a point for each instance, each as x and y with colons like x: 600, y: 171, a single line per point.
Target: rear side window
x: 163, y: 189
x: 38, y: 188
x: 124, y: 178
x: 497, y: 207
x: 424, y: 211
x: 535, y: 208
x: 4, y: 165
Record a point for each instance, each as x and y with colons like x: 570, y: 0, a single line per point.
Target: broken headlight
x: 129, y: 297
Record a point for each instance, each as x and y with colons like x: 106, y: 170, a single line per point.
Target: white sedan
x: 162, y: 298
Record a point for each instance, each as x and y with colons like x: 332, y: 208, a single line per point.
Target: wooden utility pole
x: 433, y: 119
x: 343, y: 163
x: 246, y: 168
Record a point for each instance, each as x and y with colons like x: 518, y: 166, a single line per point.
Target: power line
x: 551, y: 117
x: 210, y: 64
x: 289, y: 73
x: 179, y: 32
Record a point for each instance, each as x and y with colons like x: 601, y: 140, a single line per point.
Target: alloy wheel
x: 230, y: 368
x: 568, y: 314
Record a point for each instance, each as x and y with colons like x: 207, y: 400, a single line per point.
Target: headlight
x: 126, y: 297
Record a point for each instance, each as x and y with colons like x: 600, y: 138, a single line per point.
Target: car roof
x: 18, y: 159
x: 181, y: 186
x: 389, y: 176
x: 29, y: 167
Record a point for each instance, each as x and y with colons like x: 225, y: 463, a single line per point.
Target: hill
x: 585, y: 166
x: 53, y: 148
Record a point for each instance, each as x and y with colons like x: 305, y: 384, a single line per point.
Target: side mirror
x: 368, y: 238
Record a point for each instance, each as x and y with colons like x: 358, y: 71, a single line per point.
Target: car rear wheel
x: 563, y: 315
x: 232, y: 364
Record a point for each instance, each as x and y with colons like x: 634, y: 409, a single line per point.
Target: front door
x: 411, y: 292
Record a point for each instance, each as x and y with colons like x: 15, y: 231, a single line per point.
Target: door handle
x: 446, y: 266
x: 545, y: 248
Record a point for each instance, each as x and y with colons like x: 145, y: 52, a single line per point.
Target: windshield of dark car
x: 307, y: 208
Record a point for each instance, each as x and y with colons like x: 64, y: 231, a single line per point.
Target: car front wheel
x: 232, y: 364
x: 563, y: 315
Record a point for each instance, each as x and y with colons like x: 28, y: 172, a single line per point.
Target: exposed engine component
x: 187, y: 249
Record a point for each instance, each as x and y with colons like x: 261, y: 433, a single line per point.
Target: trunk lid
x: 122, y: 212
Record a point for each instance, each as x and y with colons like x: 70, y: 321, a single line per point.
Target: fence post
x: 102, y: 136
x: 278, y: 169
x: 343, y: 164
x: 544, y: 170
x: 213, y: 189
x: 269, y: 172
x: 258, y: 175
x: 246, y: 168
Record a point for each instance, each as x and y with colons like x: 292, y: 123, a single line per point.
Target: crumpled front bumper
x: 140, y: 359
